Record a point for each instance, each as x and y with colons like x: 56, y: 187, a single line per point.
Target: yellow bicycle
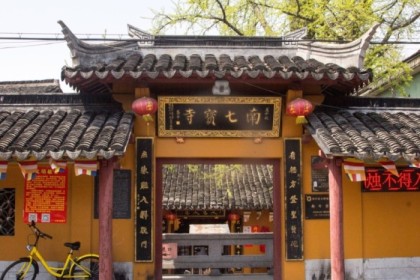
x: 83, y: 267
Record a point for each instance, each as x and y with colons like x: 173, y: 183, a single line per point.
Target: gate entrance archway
x: 218, y: 197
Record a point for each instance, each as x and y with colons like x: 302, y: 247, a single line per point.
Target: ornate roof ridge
x: 87, y: 55
x: 372, y: 103
x: 52, y: 101
x: 30, y: 86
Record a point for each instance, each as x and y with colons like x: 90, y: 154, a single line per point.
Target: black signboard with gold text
x: 144, y: 198
x: 225, y: 116
x: 293, y: 199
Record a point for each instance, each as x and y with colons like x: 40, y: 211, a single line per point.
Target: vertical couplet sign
x: 293, y: 199
x: 46, y: 197
x: 144, y: 198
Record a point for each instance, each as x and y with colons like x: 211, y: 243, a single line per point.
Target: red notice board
x: 46, y: 197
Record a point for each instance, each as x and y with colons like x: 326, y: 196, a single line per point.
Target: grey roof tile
x: 368, y: 128
x: 210, y: 66
x: 148, y: 58
x: 35, y: 86
x: 55, y: 126
x: 204, y: 187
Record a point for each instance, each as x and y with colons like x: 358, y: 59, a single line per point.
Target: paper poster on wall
x: 46, y: 197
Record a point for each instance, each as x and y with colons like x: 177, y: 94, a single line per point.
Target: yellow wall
x: 376, y: 225
x: 80, y: 225
x: 317, y: 231
x: 391, y: 224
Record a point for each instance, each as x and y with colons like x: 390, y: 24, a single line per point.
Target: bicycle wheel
x: 21, y: 269
x: 86, y: 267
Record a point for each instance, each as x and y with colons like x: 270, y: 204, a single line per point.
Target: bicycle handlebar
x: 38, y: 232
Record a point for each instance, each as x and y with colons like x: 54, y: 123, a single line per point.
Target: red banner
x: 46, y: 197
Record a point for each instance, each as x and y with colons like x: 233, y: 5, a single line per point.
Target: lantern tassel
x: 301, y: 120
x: 147, y: 118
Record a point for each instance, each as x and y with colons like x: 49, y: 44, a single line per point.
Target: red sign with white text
x: 380, y: 180
x: 46, y: 197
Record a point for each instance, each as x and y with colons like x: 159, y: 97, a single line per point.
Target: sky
x: 34, y: 60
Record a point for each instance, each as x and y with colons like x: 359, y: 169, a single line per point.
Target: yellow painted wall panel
x: 391, y: 224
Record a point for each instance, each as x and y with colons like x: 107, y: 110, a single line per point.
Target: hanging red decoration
x: 255, y: 228
x: 170, y: 217
x: 299, y: 108
x: 145, y: 107
x: 233, y: 217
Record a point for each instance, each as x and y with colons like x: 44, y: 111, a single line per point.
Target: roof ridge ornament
x: 145, y: 38
x: 86, y: 54
x: 350, y: 54
x: 294, y: 36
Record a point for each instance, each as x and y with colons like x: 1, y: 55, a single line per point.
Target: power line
x: 149, y: 40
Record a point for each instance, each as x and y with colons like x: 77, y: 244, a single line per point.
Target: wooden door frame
x: 277, y: 205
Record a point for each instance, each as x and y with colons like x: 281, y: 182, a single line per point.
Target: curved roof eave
x: 173, y: 57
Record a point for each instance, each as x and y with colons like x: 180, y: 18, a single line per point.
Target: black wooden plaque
x: 121, y: 197
x: 122, y: 194
x: 317, y: 206
x: 219, y: 116
x: 144, y: 200
x: 293, y: 199
x: 319, y: 172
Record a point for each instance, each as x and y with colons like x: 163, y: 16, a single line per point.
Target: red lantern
x: 145, y: 106
x: 170, y: 217
x: 233, y: 217
x: 255, y: 228
x: 299, y: 108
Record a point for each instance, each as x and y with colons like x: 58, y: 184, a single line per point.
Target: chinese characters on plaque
x: 144, y: 198
x: 317, y: 206
x: 46, y: 197
x: 121, y: 197
x: 293, y: 199
x: 219, y: 116
x: 201, y: 213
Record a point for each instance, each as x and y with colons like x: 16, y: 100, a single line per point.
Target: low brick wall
x: 367, y: 269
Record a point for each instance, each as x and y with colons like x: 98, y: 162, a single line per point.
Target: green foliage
x: 344, y: 20
x: 385, y: 61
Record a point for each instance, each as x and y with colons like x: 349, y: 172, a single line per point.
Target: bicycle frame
x: 63, y: 272
x: 60, y: 272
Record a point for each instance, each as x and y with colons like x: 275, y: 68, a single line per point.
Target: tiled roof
x: 368, y: 128
x: 167, y: 58
x: 36, y: 86
x: 202, y: 187
x: 62, y: 126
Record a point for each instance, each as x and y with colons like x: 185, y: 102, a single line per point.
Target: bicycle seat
x: 73, y: 245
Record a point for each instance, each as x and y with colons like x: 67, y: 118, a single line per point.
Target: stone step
x: 238, y: 276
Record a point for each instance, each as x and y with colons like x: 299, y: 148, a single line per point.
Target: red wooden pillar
x: 336, y: 219
x: 106, y: 175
